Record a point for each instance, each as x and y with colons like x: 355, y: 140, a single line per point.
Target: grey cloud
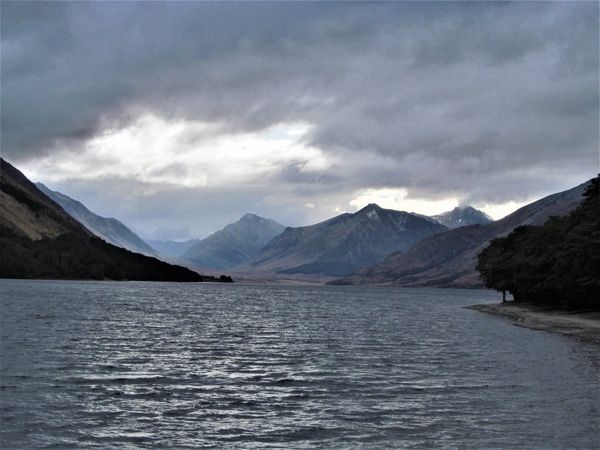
x: 451, y: 98
x: 294, y: 174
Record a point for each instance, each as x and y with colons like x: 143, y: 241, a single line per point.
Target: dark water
x: 194, y: 365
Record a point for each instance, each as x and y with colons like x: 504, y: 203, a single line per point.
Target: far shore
x: 583, y: 324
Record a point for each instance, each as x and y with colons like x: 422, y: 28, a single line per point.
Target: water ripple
x: 138, y: 365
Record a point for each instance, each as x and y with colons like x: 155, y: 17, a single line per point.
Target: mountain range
x: 109, y: 229
x: 343, y: 244
x: 38, y: 239
x: 239, y: 245
x: 50, y: 234
x: 235, y: 244
x: 449, y: 259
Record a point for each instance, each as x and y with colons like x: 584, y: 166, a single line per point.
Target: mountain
x: 460, y: 217
x: 173, y: 249
x: 38, y: 239
x: 109, y: 229
x: 449, y: 259
x: 235, y: 244
x: 344, y: 243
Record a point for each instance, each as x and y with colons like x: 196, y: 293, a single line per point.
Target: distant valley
x: 172, y: 249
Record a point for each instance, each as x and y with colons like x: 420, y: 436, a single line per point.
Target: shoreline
x: 584, y: 325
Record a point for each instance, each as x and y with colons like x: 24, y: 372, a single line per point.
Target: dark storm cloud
x: 69, y: 67
x: 481, y: 100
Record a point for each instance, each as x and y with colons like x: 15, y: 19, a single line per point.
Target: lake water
x: 103, y: 364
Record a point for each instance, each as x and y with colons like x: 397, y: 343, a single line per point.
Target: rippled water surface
x: 193, y: 365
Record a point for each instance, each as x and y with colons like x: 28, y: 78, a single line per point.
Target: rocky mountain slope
x: 449, y: 259
x: 38, y: 239
x: 463, y: 216
x: 344, y: 243
x: 235, y: 244
x: 109, y: 229
x: 26, y: 211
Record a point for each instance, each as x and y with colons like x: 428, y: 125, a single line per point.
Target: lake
x: 133, y: 364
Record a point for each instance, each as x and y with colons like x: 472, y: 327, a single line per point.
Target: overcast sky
x: 178, y: 118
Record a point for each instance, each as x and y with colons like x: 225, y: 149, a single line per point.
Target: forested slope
x: 557, y: 264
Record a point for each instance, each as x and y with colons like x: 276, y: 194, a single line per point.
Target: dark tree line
x: 77, y: 256
x: 557, y: 264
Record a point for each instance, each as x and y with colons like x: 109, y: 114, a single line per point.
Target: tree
x: 557, y: 264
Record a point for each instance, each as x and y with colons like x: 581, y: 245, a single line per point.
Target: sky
x: 179, y: 117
